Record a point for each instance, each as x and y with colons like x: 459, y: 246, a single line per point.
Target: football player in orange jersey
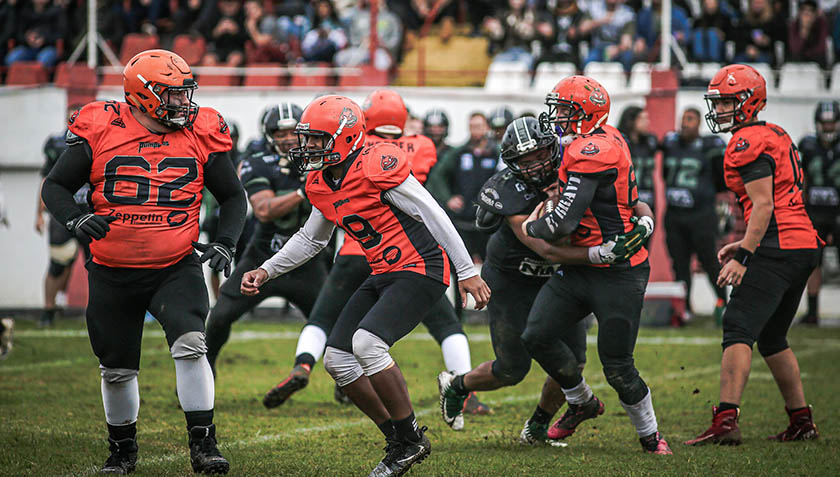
x: 370, y: 192
x: 770, y: 266
x: 597, y: 202
x: 385, y: 116
x: 147, y: 161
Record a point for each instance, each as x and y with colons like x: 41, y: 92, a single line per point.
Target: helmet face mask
x: 177, y: 108
x: 725, y: 119
x: 531, y: 152
x: 564, y: 117
x: 576, y: 105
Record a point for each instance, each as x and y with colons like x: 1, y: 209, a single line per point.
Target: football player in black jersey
x: 634, y: 125
x: 276, y: 191
x: 517, y: 266
x: 63, y: 247
x: 693, y: 170
x: 820, y: 154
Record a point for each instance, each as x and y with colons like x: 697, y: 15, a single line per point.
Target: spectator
x: 835, y: 34
x: 570, y: 25
x: 807, y: 34
x: 223, y: 25
x: 389, y: 35
x: 457, y: 179
x: 287, y: 24
x: 614, y: 26
x: 755, y: 34
x: 185, y: 16
x: 709, y: 32
x: 414, y: 13
x: 40, y: 25
x: 120, y: 19
x: 646, y: 46
x: 635, y: 126
x: 327, y: 35
x: 512, y: 32
x: 268, y: 48
x: 8, y: 17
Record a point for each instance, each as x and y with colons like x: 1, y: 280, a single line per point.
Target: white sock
x: 579, y: 394
x: 642, y: 415
x: 312, y: 340
x: 121, y: 401
x: 456, y: 353
x: 194, y: 381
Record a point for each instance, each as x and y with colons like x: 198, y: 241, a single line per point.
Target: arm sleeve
x: 221, y: 180
x: 564, y: 219
x: 303, y: 245
x: 71, y: 171
x: 758, y: 169
x: 414, y: 200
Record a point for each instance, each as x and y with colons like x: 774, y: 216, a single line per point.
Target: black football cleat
x: 123, y: 458
x: 204, y: 455
x: 382, y: 469
x: 409, y: 453
x: 297, y: 380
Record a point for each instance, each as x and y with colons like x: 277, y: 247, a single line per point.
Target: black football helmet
x: 436, y: 117
x: 280, y: 117
x: 500, y: 117
x: 827, y: 120
x: 531, y: 152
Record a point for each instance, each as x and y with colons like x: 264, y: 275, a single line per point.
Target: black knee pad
x: 56, y: 269
x: 769, y: 347
x: 511, y: 374
x: 626, y: 381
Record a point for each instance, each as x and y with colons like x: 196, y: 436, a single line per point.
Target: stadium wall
x: 31, y: 114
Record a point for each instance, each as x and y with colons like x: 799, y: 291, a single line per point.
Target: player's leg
x: 231, y: 305
x: 443, y: 324
x: 678, y: 240
x: 63, y: 249
x: 773, y: 346
x: 180, y: 304
x: 750, y: 307
x: 826, y: 230
x: 114, y: 314
x: 704, y: 243
x: 565, y: 426
x: 348, y: 272
x: 404, y: 299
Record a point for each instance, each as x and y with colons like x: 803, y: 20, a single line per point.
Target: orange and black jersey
x: 599, y: 193
x: 420, y: 153
x: 391, y: 239
x: 761, y: 150
x: 152, y: 183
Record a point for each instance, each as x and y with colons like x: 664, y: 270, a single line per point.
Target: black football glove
x: 626, y: 245
x: 218, y: 254
x: 91, y: 226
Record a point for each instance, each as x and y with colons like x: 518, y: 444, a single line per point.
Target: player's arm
x: 302, y: 246
x: 758, y: 182
x: 549, y: 251
x: 567, y: 214
x: 40, y: 209
x: 221, y: 180
x: 413, y: 199
x: 268, y: 206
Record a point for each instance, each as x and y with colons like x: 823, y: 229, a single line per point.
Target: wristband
x: 301, y: 193
x: 743, y: 256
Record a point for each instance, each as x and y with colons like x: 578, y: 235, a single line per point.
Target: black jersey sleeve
x: 504, y: 194
x: 254, y: 174
x: 71, y: 171
x: 221, y: 180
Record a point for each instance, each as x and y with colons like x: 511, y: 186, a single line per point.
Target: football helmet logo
x: 347, y: 119
x: 576, y: 105
x: 597, y: 97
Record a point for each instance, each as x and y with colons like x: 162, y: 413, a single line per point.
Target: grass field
x: 52, y: 422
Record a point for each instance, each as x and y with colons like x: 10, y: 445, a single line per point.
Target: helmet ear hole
x: 349, y: 139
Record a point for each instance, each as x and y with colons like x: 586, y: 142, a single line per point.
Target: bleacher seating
x: 78, y: 75
x: 507, y: 77
x: 640, y: 78
x: 134, y: 43
x: 796, y: 78
x: 26, y: 73
x: 835, y: 80
x: 549, y: 74
x: 311, y: 75
x: 190, y: 47
x: 255, y: 77
x: 610, y: 75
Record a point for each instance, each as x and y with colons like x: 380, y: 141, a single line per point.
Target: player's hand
x: 476, y: 287
x: 90, y: 225
x: 534, y: 215
x: 252, y: 281
x: 218, y: 254
x: 726, y: 253
x: 39, y: 224
x: 731, y: 274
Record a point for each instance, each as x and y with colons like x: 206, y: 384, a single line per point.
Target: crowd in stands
x: 337, y: 32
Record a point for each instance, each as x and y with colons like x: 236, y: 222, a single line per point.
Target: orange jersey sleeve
x: 86, y: 123
x: 590, y: 155
x: 385, y: 165
x: 744, y: 147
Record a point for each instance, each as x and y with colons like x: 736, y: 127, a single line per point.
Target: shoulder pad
x: 590, y: 154
x: 211, y: 126
x: 504, y: 194
x: 84, y: 123
x: 808, y: 142
x: 671, y: 137
x: 745, y: 146
x: 385, y: 165
x: 487, y: 221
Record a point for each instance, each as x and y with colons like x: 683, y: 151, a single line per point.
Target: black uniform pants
x: 688, y: 233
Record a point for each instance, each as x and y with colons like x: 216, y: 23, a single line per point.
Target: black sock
x: 198, y: 418
x: 305, y: 358
x: 407, y: 429
x: 458, y: 385
x: 797, y: 409
x: 812, y: 305
x: 541, y: 416
x: 118, y: 433
x: 387, y: 429
x: 725, y: 406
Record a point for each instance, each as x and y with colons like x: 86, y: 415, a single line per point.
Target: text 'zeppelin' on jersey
x: 391, y: 239
x: 789, y: 227
x: 604, y: 155
x: 150, y: 182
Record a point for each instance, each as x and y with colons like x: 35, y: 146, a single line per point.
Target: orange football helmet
x: 588, y: 106
x: 161, y: 84
x: 338, y: 123
x: 385, y: 112
x: 741, y: 84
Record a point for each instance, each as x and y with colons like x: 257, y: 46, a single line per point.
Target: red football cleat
x: 656, y: 444
x: 724, y: 429
x: 801, y: 427
x: 574, y: 415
